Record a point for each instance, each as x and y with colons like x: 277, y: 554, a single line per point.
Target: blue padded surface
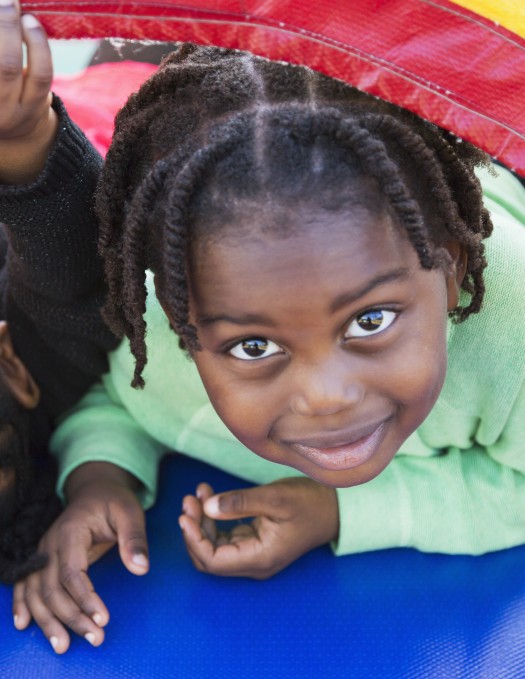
x: 396, y: 613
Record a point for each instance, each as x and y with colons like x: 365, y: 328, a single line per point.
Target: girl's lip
x: 347, y: 455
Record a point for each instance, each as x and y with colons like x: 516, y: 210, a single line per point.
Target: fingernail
x: 54, y: 642
x: 90, y: 637
x: 97, y: 619
x: 30, y: 21
x: 15, y: 620
x: 6, y: 3
x: 139, y: 560
x: 211, y: 506
x: 180, y: 525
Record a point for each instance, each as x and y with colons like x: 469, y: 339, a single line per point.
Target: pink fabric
x: 94, y: 96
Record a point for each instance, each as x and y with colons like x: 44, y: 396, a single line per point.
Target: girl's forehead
x: 315, y: 245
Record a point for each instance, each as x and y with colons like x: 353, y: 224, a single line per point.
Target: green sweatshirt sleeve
x: 100, y: 429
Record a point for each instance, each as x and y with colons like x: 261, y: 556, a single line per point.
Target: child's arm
x: 48, y: 175
x: 106, y: 463
x: 102, y: 511
x: 463, y: 502
x: 292, y: 517
x: 28, y: 124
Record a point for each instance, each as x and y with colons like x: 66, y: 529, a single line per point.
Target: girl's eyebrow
x: 339, y: 302
x: 349, y: 297
x: 241, y: 319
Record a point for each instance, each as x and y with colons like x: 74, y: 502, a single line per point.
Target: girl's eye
x: 253, y: 348
x: 371, y: 322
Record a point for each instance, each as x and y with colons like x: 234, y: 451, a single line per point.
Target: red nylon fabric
x: 435, y: 58
x: 94, y: 96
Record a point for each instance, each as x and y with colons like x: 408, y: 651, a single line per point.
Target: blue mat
x: 396, y: 613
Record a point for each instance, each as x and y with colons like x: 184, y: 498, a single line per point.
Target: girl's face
x: 323, y: 350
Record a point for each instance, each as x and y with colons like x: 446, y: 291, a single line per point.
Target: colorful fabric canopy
x: 459, y: 64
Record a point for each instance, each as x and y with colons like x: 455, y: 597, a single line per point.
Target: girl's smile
x: 355, y: 448
x: 325, y: 349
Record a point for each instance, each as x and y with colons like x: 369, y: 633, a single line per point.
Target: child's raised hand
x: 292, y: 516
x: 28, y: 124
x: 61, y: 595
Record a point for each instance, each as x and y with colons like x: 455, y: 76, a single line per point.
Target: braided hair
x: 28, y: 502
x: 217, y: 129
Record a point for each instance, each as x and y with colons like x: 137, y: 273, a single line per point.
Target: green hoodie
x: 457, y: 485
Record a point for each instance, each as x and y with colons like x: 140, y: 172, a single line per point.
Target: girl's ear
x: 14, y: 373
x: 455, y: 272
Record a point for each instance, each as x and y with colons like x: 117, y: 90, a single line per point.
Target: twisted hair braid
x: 214, y: 127
x: 28, y: 502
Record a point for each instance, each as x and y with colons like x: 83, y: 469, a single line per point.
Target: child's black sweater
x: 52, y: 284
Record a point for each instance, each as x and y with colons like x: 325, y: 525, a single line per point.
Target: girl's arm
x: 48, y: 173
x: 108, y: 466
x: 102, y: 511
x: 100, y: 429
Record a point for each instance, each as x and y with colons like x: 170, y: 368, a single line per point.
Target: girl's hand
x: 292, y: 516
x: 28, y: 124
x: 61, y: 595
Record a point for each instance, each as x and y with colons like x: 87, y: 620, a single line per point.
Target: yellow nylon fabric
x: 508, y: 13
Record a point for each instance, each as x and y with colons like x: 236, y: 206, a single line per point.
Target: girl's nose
x: 326, y: 389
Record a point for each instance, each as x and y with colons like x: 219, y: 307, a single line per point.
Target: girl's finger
x: 21, y: 613
x: 192, y: 507
x: 54, y: 610
x: 130, y: 526
x: 73, y: 577
x: 204, y: 491
x: 192, y: 537
x: 208, y: 526
x: 11, y: 54
x: 191, y: 529
x: 230, y: 560
x: 39, y: 73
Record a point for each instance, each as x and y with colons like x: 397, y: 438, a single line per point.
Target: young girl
x: 53, y: 341
x: 319, y: 254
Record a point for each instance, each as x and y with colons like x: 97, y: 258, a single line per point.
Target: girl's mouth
x: 347, y: 455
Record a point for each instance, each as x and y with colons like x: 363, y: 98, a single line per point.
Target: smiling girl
x: 319, y: 254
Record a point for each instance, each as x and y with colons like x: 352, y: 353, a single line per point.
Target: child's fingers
x: 71, y: 575
x: 10, y: 51
x: 55, y: 629
x: 269, y: 501
x: 130, y: 526
x: 54, y: 610
x: 21, y: 613
x: 39, y: 74
x: 241, y: 556
x: 191, y: 529
x: 204, y: 491
x: 239, y: 553
x: 194, y: 536
x: 192, y: 507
